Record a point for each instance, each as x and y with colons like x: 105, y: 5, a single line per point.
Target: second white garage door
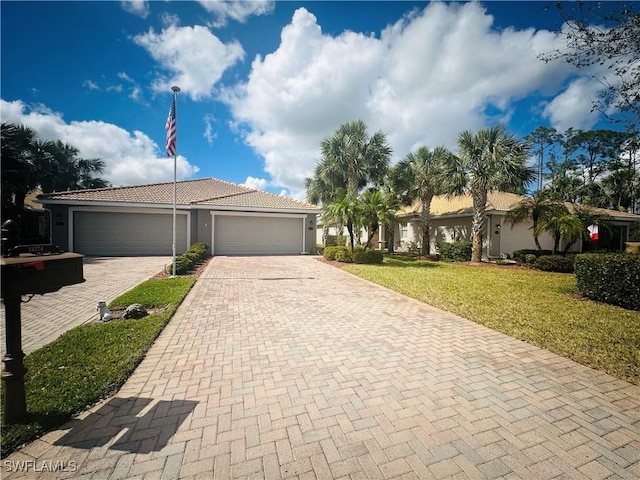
x: 240, y: 235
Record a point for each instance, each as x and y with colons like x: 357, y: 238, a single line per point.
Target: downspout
x: 304, y: 235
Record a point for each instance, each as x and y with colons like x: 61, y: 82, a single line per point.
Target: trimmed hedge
x: 338, y: 253
x: 554, y: 263
x: 455, y: 251
x: 520, y: 256
x: 610, y: 278
x: 367, y: 256
x: 187, y: 262
x: 529, y: 259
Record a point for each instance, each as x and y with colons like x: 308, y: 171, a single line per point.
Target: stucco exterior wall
x: 201, y: 221
x: 311, y: 234
x: 60, y: 226
x: 450, y: 230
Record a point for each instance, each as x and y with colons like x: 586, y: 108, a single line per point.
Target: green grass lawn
x: 91, y: 362
x: 541, y: 308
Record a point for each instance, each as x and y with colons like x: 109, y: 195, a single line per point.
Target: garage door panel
x: 121, y: 234
x: 240, y: 235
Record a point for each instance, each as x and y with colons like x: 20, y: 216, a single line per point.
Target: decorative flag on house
x: 170, y: 127
x: 593, y: 233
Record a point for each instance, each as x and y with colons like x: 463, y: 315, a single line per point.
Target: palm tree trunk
x: 537, y: 242
x: 556, y: 242
x: 325, y: 234
x: 535, y: 238
x: 478, y: 223
x: 425, y: 225
x: 390, y: 238
x: 350, y: 230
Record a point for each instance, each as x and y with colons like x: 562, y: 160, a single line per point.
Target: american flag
x: 170, y: 127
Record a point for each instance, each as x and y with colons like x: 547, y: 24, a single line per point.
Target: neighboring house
x: 138, y: 220
x: 451, y: 221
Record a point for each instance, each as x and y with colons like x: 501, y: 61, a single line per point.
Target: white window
x: 404, y: 231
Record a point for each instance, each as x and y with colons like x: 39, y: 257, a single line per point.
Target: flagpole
x: 175, y: 91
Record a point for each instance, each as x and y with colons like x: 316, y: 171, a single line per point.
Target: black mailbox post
x: 36, y: 269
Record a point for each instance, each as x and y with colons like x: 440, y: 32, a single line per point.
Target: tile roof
x: 496, y: 201
x: 203, y: 191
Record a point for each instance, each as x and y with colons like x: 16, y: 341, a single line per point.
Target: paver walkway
x: 46, y: 317
x: 284, y: 367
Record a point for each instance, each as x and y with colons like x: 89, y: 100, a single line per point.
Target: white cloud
x: 572, y: 108
x: 131, y: 158
x: 255, y: 183
x: 91, y: 85
x: 137, y: 7
x: 195, y: 58
x: 236, y: 10
x: 135, y: 92
x: 209, y: 134
x: 427, y: 77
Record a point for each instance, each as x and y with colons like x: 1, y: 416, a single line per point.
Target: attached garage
x: 136, y: 220
x: 127, y: 234
x: 257, y: 235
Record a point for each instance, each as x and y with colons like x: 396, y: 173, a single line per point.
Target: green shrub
x: 187, y: 262
x: 343, y: 254
x: 554, y: 263
x: 183, y: 265
x: 201, y: 248
x: 529, y: 259
x: 329, y: 253
x: 337, y: 253
x: 520, y: 255
x: 610, y: 278
x: 336, y: 240
x: 456, y: 251
x: 367, y: 256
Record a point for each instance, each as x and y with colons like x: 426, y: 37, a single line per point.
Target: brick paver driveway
x: 283, y: 367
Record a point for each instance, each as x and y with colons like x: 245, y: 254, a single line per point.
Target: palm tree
x: 533, y: 208
x: 19, y: 171
x: 319, y: 191
x: 587, y: 217
x: 424, y: 170
x: 63, y: 169
x: 396, y: 189
x: 560, y: 224
x: 377, y: 208
x: 351, y: 160
x: 343, y: 211
x: 491, y: 159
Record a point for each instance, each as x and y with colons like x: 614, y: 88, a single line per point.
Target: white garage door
x: 124, y: 234
x: 257, y: 235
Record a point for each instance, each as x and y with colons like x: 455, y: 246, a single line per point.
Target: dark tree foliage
x: 541, y: 140
x: 605, y: 34
x: 598, y: 167
x: 29, y: 163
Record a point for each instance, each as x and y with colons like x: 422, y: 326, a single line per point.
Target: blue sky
x: 262, y: 82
